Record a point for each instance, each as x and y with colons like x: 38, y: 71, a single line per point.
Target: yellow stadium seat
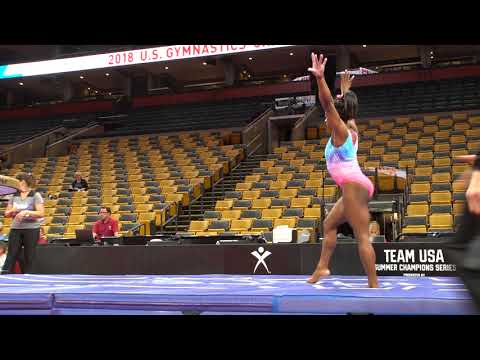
x: 445, y: 122
x: 409, y: 149
x: 290, y: 222
x: 140, y: 199
x: 138, y: 191
x: 314, y: 213
x: 441, y: 147
x: 318, y: 175
x: 394, y: 143
x: 314, y: 183
x: 252, y: 178
x: 267, y: 164
x: 289, y: 156
x: 288, y: 193
x: 441, y: 178
x: 316, y: 155
x: 79, y: 210
x: 251, y: 195
x: 404, y: 164
x: 79, y: 202
x: 377, y: 151
x: 231, y: 214
x: 441, y: 197
x: 458, y: 169
x: 430, y: 129
x: 243, y: 186
x: 414, y: 229
x: 438, y: 162
x: 70, y: 231
x: 417, y: 210
x: 76, y: 219
x: 423, y: 171
x: 306, y: 169
x: 458, y: 186
x: 300, y: 202
x: 391, y: 157
x: 263, y: 203
x: 281, y: 178
x: 297, y: 163
x: 269, y: 214
x: 241, y: 225
x: 328, y: 192
x: 50, y: 203
x: 458, y: 139
x: 425, y: 155
x: 176, y: 198
x: 420, y: 188
x: 441, y: 221
x: 279, y: 185
x: 224, y: 204
x: 142, y: 208
x: 198, y: 226
x: 371, y: 164
x: 275, y: 170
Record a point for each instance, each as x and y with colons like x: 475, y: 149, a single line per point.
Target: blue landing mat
x: 229, y: 294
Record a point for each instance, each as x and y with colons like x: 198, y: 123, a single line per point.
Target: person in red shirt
x: 106, y: 226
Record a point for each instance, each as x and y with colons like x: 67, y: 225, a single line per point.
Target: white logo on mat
x: 261, y: 255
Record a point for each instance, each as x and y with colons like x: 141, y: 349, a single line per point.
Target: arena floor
x: 230, y: 294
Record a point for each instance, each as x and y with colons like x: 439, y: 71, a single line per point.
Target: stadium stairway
x: 207, y: 202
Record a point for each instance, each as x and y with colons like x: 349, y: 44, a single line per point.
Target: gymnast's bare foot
x: 317, y: 275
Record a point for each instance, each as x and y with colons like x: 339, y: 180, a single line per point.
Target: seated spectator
x: 79, y: 183
x: 106, y: 226
x: 373, y: 230
x: 3, y: 253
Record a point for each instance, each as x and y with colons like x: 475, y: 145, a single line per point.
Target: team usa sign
x: 122, y: 58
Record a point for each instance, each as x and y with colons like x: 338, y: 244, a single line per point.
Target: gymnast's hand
x: 318, y: 66
x: 346, y: 82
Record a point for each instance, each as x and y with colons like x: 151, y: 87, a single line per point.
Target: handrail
x: 254, y: 150
x: 135, y: 228
x: 87, y: 127
x: 254, y: 122
x: 424, y: 235
x: 255, y: 138
x: 305, y: 116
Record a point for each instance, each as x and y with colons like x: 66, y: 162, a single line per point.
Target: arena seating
x: 12, y: 131
x: 198, y: 116
x: 144, y: 179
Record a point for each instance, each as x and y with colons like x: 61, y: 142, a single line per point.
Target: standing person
x: 464, y: 250
x: 20, y: 264
x: 342, y: 164
x: 26, y: 209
